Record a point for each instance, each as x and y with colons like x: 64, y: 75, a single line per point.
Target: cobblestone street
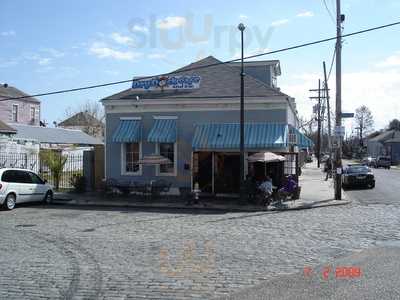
x: 66, y: 252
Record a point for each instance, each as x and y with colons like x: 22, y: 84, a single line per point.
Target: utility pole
x: 241, y: 27
x: 338, y: 156
x: 318, y: 111
x: 329, y: 111
x: 319, y: 124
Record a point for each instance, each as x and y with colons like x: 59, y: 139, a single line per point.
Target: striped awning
x: 303, y: 141
x: 227, y: 136
x: 128, y: 131
x: 163, y: 131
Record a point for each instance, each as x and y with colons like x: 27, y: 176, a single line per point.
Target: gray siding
x: 395, y: 153
x: 24, y: 111
x: 262, y: 73
x: 186, y: 120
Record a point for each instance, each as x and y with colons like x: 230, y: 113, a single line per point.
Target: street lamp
x: 241, y: 27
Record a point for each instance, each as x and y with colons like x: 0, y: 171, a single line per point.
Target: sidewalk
x: 315, y: 192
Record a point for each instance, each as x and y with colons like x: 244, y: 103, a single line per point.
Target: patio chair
x: 186, y: 195
x: 165, y: 190
x: 158, y: 187
x: 110, y: 186
x: 124, y: 186
x: 141, y: 188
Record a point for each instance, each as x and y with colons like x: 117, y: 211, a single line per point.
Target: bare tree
x: 89, y: 118
x: 364, y: 121
x: 92, y: 107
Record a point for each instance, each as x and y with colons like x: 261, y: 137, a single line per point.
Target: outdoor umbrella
x: 154, y: 159
x: 265, y: 157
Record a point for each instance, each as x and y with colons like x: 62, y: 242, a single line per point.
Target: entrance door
x: 202, y: 171
x: 227, y: 173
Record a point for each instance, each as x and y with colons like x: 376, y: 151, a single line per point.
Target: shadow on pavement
x: 126, y: 209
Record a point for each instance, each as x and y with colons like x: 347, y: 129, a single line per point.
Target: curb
x: 177, y: 207
x: 311, y: 206
x: 202, y: 208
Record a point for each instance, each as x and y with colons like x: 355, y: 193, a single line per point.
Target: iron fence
x: 73, y: 166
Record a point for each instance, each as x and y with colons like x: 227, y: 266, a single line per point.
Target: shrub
x: 79, y: 183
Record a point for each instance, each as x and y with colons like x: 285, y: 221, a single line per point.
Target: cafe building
x: 191, y: 116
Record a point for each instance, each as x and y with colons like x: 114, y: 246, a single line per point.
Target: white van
x: 19, y: 186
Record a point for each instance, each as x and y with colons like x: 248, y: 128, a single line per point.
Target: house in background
x: 6, y: 131
x: 21, y: 111
x: 86, y: 122
x: 192, y: 118
x: 385, y: 144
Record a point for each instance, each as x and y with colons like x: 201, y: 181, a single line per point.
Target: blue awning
x: 227, y: 136
x: 163, y: 131
x: 128, y: 131
x: 303, y: 141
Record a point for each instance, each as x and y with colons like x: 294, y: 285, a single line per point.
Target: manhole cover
x: 25, y: 225
x: 89, y: 230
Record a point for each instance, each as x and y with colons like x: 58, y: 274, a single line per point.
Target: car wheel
x: 48, y: 198
x: 10, y: 202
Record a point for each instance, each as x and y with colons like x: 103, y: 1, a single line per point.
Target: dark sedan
x: 358, y: 176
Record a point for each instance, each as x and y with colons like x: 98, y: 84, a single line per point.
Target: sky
x: 50, y: 45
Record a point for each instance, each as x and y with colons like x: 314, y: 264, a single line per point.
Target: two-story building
x: 85, y: 122
x: 191, y: 116
x: 21, y: 111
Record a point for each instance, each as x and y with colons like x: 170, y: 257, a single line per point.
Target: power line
x: 331, y: 67
x: 329, y: 12
x: 206, y: 66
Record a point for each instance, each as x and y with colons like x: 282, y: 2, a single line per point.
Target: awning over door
x: 227, y: 136
x: 128, y: 131
x: 163, y: 131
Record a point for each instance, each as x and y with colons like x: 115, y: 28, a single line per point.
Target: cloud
x: 111, y: 72
x: 8, y: 33
x: 156, y: 56
x: 121, y: 39
x: 8, y: 63
x: 391, y: 61
x: 101, y: 50
x: 44, y: 61
x: 243, y: 17
x: 53, y: 52
x: 376, y: 89
x: 280, y: 22
x: 139, y: 28
x: 305, y: 14
x: 171, y: 22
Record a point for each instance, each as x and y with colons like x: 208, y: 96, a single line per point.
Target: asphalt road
x: 386, y: 191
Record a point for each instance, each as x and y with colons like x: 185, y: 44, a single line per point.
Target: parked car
x: 383, y: 162
x: 358, y: 175
x: 369, y: 161
x: 19, y: 186
x: 309, y: 159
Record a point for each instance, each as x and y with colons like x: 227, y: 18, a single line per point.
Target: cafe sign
x: 168, y: 83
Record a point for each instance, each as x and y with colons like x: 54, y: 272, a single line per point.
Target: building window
x: 15, y: 112
x: 33, y: 114
x: 274, y: 82
x: 131, y: 153
x: 168, y: 150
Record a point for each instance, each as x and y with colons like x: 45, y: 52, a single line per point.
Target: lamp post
x: 241, y: 27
